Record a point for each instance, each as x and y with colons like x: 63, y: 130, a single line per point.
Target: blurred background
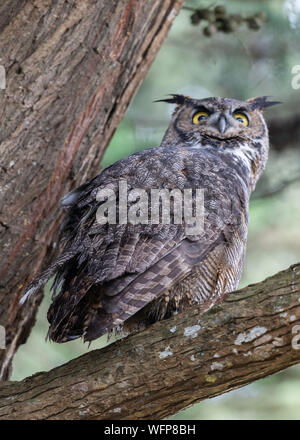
x: 259, y: 58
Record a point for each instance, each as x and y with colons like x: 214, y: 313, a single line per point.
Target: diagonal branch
x: 280, y: 187
x: 172, y: 364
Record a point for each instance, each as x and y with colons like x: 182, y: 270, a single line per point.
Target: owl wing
x: 107, y: 273
x: 91, y: 310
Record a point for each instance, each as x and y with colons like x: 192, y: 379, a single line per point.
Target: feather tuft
x: 261, y: 103
x: 176, y: 99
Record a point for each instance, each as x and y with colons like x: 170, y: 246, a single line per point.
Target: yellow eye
x: 199, y: 116
x: 241, y: 117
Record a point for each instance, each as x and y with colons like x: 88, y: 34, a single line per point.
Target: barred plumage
x: 129, y: 275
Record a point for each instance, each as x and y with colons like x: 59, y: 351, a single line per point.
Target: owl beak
x: 222, y: 124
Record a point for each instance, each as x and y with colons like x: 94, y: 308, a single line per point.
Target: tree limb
x: 172, y: 364
x: 270, y: 192
x: 72, y: 68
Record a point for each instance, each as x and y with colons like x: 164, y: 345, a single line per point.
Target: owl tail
x: 40, y: 281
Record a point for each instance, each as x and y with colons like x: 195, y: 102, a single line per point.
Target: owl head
x: 225, y: 124
x: 220, y: 119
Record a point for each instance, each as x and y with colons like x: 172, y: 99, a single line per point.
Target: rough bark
x: 72, y: 69
x: 172, y: 364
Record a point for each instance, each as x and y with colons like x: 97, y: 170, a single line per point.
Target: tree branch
x: 172, y: 364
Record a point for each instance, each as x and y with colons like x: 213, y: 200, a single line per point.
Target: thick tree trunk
x: 174, y: 363
x: 72, y: 68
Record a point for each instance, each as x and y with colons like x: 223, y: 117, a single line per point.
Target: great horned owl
x: 112, y: 276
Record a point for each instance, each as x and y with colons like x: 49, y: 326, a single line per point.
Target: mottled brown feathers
x: 111, y: 276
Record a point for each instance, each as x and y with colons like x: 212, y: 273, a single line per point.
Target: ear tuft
x: 261, y: 103
x: 176, y: 99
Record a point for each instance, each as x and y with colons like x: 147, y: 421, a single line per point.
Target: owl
x: 122, y: 275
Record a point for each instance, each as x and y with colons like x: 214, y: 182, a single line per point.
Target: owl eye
x: 241, y: 117
x: 199, y: 116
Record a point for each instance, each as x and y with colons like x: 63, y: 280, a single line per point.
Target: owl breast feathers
x: 125, y: 274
